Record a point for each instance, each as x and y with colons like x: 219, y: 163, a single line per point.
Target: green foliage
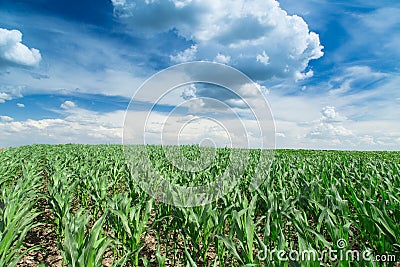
x: 307, y: 201
x: 84, y: 247
x: 128, y: 224
x: 17, y: 212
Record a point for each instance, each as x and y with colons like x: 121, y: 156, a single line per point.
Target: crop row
x: 307, y: 201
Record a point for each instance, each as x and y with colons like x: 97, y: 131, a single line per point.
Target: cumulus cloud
x: 10, y: 92
x: 189, y: 92
x: 263, y: 58
x: 4, y: 97
x: 364, y: 120
x: 329, y: 130
x: 334, y: 131
x: 186, y: 55
x: 259, y: 36
x: 14, y: 53
x: 329, y: 126
x: 20, y: 105
x: 68, y: 105
x: 244, y: 97
x: 329, y: 114
x: 221, y: 58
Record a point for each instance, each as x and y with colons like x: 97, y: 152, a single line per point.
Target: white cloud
x: 189, y: 92
x: 186, y: 55
x: 84, y: 126
x: 10, y: 92
x: 329, y: 114
x: 354, y: 77
x: 68, y: 105
x: 252, y: 33
x: 368, y: 139
x: 366, y: 94
x: 252, y: 90
x: 221, y: 58
x: 78, y: 126
x: 329, y: 131
x: 4, y: 97
x: 20, y: 105
x: 303, y: 75
x: 330, y: 128
x: 14, y: 52
x: 181, y: 3
x: 6, y: 118
x: 164, y: 128
x: 382, y: 19
x: 310, y: 124
x: 101, y: 66
x: 263, y: 58
x: 338, y: 132
x: 107, y: 81
x: 122, y: 8
x: 364, y: 29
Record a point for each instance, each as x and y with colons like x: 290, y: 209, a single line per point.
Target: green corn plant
x: 244, y: 230
x: 220, y: 218
x: 206, y: 228
x: 99, y: 186
x: 129, y: 223
x: 17, y: 218
x: 161, y: 259
x: 84, y: 246
x: 60, y: 190
x: 307, y: 200
x: 165, y: 225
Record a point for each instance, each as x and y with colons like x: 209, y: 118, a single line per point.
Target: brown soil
x: 43, y: 236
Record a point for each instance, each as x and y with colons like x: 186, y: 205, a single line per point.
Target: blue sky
x: 328, y: 69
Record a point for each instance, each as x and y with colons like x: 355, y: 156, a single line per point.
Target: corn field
x: 81, y: 205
